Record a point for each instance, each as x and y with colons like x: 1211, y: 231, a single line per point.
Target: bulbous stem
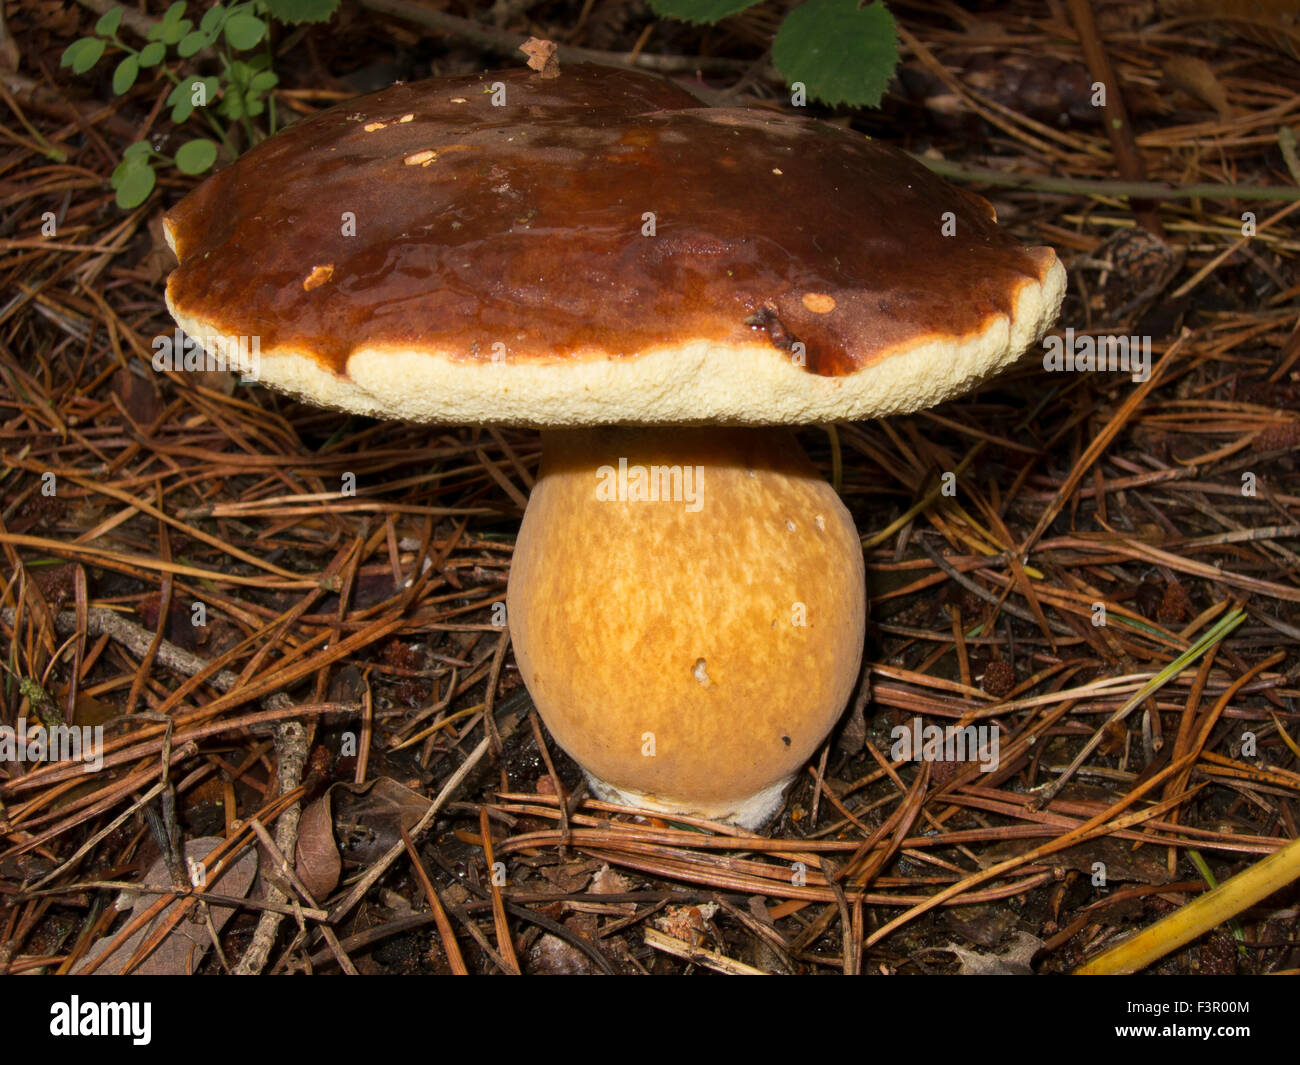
x: 687, y: 608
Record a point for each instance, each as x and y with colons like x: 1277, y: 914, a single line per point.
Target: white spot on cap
x: 818, y: 302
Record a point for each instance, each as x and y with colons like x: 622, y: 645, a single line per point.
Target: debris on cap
x: 541, y: 56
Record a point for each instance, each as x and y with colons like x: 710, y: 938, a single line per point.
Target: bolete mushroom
x: 650, y: 281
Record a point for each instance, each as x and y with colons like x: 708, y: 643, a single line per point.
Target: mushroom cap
x: 599, y: 248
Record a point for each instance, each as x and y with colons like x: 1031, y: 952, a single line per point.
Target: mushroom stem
x: 687, y: 608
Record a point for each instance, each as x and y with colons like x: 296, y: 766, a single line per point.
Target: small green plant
x: 841, y: 52
x: 241, y: 91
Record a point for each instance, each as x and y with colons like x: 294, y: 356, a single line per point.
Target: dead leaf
x: 686, y: 923
x: 1013, y: 962
x: 1121, y: 862
x: 608, y: 882
x: 139, y: 397
x: 222, y: 381
x: 570, y: 877
x: 159, y: 260
x: 1196, y: 77
x: 853, y: 732
x: 366, y: 817
x: 541, y: 56
x: 982, y: 924
x: 553, y: 956
x: 317, y: 862
x: 180, y: 953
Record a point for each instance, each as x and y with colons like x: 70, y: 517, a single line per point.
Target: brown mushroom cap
x: 500, y: 269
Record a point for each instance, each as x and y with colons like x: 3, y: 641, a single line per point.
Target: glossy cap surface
x: 600, y: 248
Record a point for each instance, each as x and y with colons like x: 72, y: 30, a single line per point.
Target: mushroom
x: 663, y: 288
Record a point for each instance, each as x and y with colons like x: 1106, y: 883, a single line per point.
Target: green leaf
x: 252, y: 105
x: 707, y: 11
x: 194, y: 157
x: 244, y: 31
x: 266, y: 79
x: 212, y: 21
x: 109, y: 22
x: 125, y: 74
x: 152, y: 54
x: 134, y: 180
x: 175, y: 31
x: 301, y: 10
x: 182, y: 96
x: 82, y: 54
x: 156, y: 31
x: 842, y: 53
x: 140, y: 149
x: 174, y: 13
x: 193, y: 43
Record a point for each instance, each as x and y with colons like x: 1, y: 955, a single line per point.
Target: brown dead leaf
x: 570, y: 877
x: 541, y: 56
x: 91, y: 711
x: 180, y: 953
x: 367, y: 816
x: 1120, y: 862
x: 317, y: 860
x: 983, y: 925
x: 221, y: 381
x: 159, y: 260
x: 1196, y: 77
x: 552, y: 956
x: 139, y: 397
x: 608, y: 882
x: 686, y: 923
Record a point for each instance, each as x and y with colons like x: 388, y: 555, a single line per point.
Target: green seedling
x: 839, y: 52
x: 240, y: 92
